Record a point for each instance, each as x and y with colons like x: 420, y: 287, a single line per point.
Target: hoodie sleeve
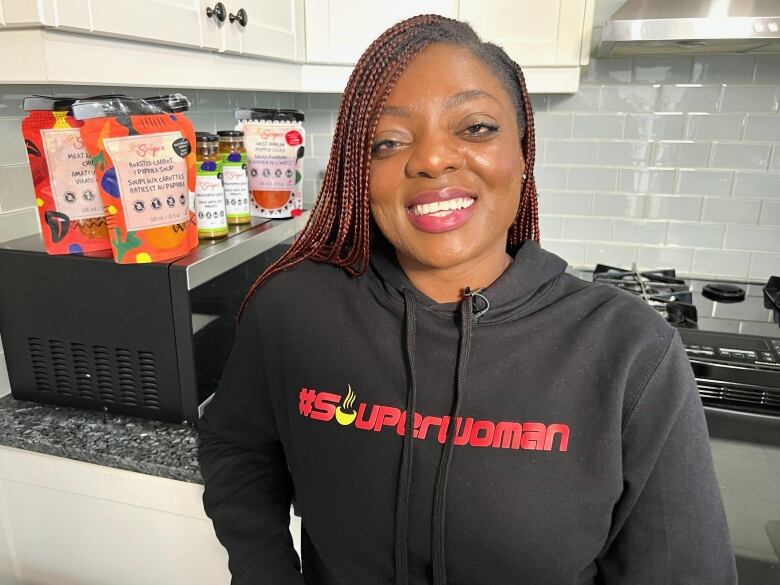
x: 669, y: 525
x: 248, y: 489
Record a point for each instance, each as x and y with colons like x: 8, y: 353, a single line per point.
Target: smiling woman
x: 443, y: 401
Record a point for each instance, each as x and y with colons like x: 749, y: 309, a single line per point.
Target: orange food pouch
x: 144, y: 157
x: 69, y: 207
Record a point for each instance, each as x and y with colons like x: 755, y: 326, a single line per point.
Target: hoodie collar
x: 531, y: 273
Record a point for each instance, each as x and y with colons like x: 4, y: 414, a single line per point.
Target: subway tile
x: 322, y: 144
x: 639, y: 232
x: 774, y: 164
x: 570, y: 152
x: 309, y: 191
x: 723, y: 69
x: 671, y: 69
x: 629, y: 98
x: 313, y: 167
x: 762, y: 185
x: 673, y: 207
x: 591, y: 179
x: 203, y: 121
x: 539, y: 101
x: 266, y: 99
x: 224, y: 120
x: 647, y: 180
x: 768, y: 68
x: 719, y: 263
x: 318, y: 122
x: 12, y: 150
x: 624, y: 153
x: 586, y: 228
x: 752, y: 239
x: 84, y: 91
x: 613, y: 254
x: 211, y: 100
x: 286, y: 100
x: 741, y: 155
x: 301, y: 101
x: 703, y: 182
x: 598, y: 126
x: 685, y: 98
x: 764, y: 265
x: 16, y: 224
x: 658, y: 257
x: 552, y: 202
x: 731, y: 210
x: 16, y: 188
x: 572, y: 252
x: 550, y: 226
x: 241, y: 99
x: 618, y: 205
x: 762, y: 127
x: 654, y: 126
x: 749, y: 98
x: 715, y: 126
x: 552, y: 178
x: 552, y: 125
x: 695, y: 235
x: 681, y: 154
x: 770, y: 213
x: 324, y: 101
x: 12, y: 96
x: 609, y: 71
x: 587, y: 99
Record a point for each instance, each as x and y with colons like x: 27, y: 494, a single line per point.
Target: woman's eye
x: 383, y: 146
x: 481, y: 129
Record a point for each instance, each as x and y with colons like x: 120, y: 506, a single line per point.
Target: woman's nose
x: 433, y: 155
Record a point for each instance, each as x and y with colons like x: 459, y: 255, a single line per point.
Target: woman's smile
x: 436, y: 211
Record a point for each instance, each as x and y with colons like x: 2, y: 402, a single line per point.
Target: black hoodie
x: 558, y: 437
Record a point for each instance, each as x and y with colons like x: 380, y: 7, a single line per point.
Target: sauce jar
x: 234, y: 177
x: 209, y: 192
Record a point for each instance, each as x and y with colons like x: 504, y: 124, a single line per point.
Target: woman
x: 557, y: 435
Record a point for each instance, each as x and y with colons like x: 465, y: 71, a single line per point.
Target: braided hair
x: 340, y: 228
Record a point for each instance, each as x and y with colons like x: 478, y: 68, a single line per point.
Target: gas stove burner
x: 723, y: 293
x: 668, y: 295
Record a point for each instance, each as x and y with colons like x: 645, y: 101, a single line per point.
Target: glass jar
x: 234, y: 177
x: 209, y: 192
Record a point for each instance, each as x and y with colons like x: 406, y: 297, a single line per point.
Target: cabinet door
x: 171, y: 22
x: 274, y: 28
x: 533, y: 33
x: 338, y: 31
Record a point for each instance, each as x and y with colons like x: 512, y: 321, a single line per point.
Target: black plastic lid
x: 230, y: 134
x: 206, y: 137
x: 47, y: 103
x: 123, y: 105
x: 723, y: 293
x: 269, y: 115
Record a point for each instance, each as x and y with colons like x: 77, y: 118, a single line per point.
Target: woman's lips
x: 441, y: 211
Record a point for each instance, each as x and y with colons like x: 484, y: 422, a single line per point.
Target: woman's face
x: 447, y: 168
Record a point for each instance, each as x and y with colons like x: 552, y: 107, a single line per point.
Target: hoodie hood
x: 532, y: 272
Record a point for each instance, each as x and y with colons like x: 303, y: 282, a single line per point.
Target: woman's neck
x: 446, y: 285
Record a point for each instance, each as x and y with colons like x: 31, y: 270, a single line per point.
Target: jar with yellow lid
x: 209, y: 192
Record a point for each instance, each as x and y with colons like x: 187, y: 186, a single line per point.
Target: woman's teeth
x: 440, y: 208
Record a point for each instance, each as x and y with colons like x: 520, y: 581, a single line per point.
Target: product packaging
x: 273, y: 139
x: 144, y: 156
x: 234, y: 178
x: 70, y: 210
x: 209, y: 191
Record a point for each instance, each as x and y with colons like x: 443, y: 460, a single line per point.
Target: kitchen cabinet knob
x: 218, y: 12
x: 240, y: 17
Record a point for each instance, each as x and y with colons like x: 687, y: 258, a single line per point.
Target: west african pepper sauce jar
x: 273, y: 139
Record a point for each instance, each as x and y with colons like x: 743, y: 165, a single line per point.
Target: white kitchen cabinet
x: 338, y: 31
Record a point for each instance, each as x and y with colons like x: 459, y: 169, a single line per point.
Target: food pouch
x: 144, y: 156
x: 273, y: 139
x: 70, y: 210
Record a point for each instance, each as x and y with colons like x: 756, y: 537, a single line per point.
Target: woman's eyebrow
x: 451, y: 102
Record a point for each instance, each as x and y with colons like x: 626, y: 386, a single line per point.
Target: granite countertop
x: 123, y: 442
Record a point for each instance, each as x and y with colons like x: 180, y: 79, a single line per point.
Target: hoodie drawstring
x: 405, y: 477
x: 442, y: 474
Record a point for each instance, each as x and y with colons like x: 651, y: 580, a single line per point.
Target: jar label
x: 236, y: 190
x: 152, y: 179
x: 210, y: 202
x: 71, y: 174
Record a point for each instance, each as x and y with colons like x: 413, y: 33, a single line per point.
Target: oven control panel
x: 745, y: 350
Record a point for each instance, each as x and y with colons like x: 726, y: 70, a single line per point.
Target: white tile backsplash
x: 668, y: 161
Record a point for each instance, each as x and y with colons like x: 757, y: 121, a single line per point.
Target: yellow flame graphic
x: 345, y: 415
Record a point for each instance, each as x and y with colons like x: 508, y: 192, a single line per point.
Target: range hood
x: 653, y: 27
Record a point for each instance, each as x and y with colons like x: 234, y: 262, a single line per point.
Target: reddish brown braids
x: 340, y: 228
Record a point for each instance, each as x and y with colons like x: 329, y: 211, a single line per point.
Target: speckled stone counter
x: 122, y: 442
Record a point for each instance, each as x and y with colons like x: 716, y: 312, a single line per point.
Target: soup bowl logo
x: 145, y: 149
x: 345, y: 414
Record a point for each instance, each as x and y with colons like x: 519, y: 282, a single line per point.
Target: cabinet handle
x: 240, y: 17
x: 218, y: 12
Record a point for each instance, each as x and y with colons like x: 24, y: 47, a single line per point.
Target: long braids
x: 339, y: 230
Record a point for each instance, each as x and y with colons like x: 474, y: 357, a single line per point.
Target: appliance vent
x: 95, y: 373
x: 744, y: 397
